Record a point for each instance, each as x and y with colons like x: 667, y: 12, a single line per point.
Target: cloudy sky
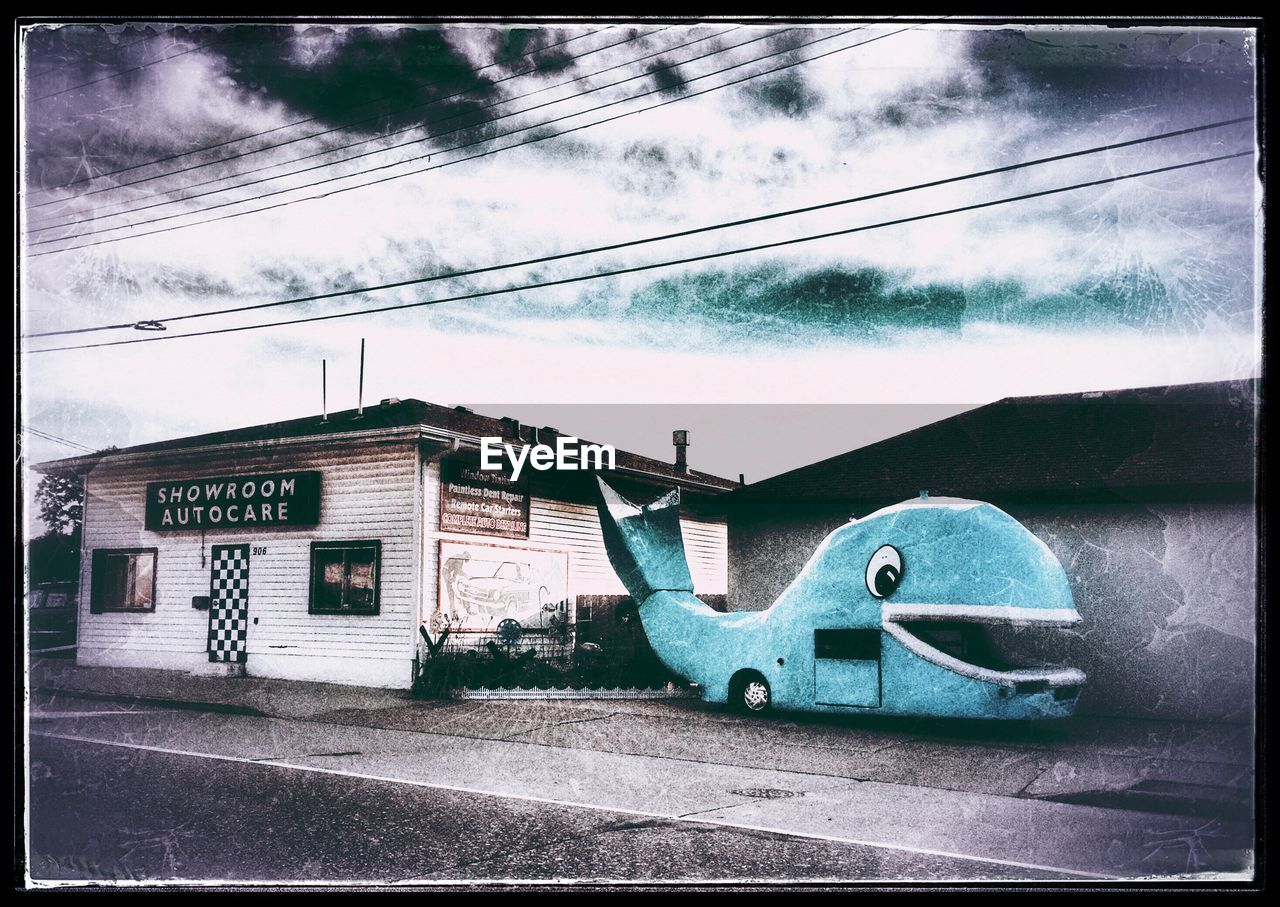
x: 173, y: 171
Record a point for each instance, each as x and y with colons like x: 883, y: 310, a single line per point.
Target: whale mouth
x: 955, y: 637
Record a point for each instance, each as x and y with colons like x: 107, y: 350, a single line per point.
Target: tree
x: 55, y: 556
x: 60, y: 497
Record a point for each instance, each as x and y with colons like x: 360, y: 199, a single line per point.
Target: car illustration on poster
x: 482, y: 585
x: 886, y: 617
x: 506, y: 592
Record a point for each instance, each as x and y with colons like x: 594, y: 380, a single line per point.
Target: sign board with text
x: 233, y: 502
x: 482, y: 502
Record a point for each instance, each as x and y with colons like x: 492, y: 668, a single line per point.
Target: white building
x: 316, y: 549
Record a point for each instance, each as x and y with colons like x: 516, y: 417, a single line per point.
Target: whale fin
x: 644, y: 544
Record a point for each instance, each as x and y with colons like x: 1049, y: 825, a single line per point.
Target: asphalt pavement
x: 376, y: 790
x: 158, y: 816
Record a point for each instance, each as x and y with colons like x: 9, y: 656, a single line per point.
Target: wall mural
x: 886, y: 617
x: 482, y: 585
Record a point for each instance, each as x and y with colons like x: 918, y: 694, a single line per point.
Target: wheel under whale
x: 752, y: 694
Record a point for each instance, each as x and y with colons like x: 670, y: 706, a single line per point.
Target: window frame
x: 375, y: 607
x: 848, y: 644
x: 97, y: 593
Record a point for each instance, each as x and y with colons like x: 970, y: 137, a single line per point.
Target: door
x: 846, y: 667
x: 229, y: 604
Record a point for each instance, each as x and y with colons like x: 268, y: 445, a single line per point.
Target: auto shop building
x: 316, y: 549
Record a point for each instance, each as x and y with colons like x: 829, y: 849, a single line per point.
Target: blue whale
x: 885, y: 618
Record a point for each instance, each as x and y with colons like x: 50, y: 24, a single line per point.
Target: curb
x: 226, y: 708
x: 555, y: 693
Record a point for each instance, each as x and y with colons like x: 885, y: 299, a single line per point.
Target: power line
x: 116, y: 75
x: 52, y: 437
x: 65, y: 63
x: 343, y: 127
x: 680, y: 234
x: 417, y: 141
x: 274, y: 129
x: 454, y: 116
x: 427, y: 156
x: 665, y: 264
x: 530, y: 141
x: 56, y: 440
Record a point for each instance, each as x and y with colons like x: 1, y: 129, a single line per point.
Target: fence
x: 605, y: 649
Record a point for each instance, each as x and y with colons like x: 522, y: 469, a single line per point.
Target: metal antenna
x: 324, y: 391
x: 360, y: 397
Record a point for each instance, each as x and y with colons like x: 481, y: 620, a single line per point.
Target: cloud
x: 390, y: 77
x: 514, y: 49
x: 1173, y: 255
x: 1089, y: 72
x: 666, y: 76
x: 788, y: 94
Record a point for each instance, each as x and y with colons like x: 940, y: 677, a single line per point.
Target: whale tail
x: 644, y: 543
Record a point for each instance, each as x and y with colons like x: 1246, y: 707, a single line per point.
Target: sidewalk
x: 241, y: 695
x: 1184, y: 768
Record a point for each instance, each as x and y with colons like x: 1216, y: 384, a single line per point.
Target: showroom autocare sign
x: 482, y: 502
x: 227, y: 502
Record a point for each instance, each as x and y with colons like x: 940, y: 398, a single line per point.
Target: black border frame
x: 1143, y: 15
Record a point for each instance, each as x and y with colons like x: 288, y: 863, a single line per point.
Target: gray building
x: 1146, y: 496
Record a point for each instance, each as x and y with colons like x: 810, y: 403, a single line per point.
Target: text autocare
x: 282, y: 499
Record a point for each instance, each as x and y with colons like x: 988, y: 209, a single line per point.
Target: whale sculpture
x: 884, y: 618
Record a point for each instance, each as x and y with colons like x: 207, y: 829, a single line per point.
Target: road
x: 149, y: 793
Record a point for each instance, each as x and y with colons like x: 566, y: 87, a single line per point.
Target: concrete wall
x: 1166, y: 585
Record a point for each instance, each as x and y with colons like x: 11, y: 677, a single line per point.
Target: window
x: 512, y: 572
x: 123, y: 580
x: 848, y: 645
x: 344, y: 577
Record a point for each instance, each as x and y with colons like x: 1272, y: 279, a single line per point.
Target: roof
x: 394, y: 414
x: 1178, y: 436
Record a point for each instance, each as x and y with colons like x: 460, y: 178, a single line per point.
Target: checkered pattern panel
x: 229, y: 603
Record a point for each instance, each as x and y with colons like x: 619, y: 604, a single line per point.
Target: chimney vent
x: 680, y: 438
x: 390, y: 401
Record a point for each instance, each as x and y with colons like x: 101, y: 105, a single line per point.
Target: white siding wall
x: 368, y: 491
x: 574, y: 528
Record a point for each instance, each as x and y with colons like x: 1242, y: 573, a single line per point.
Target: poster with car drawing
x: 481, y: 585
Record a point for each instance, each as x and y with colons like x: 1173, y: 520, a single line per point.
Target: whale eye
x: 884, y: 571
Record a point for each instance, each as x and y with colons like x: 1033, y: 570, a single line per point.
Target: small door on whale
x: 846, y: 667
